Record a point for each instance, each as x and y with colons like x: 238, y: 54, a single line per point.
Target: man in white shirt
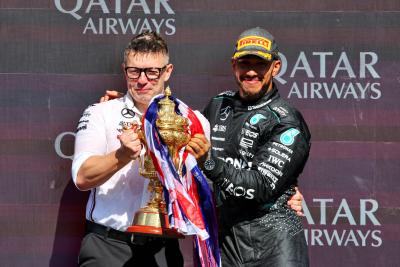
x: 105, y: 162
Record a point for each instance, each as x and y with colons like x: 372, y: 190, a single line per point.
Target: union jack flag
x: 189, y: 199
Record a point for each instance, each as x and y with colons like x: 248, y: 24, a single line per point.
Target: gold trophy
x: 152, y: 219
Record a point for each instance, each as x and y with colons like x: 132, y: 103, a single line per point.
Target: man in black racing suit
x: 260, y: 145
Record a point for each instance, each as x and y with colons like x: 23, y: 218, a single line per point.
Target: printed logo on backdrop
x: 334, y: 224
x: 120, y: 17
x: 331, y: 75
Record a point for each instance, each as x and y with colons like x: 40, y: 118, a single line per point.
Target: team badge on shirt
x: 287, y: 138
x: 224, y: 113
x: 256, y: 118
x: 127, y: 113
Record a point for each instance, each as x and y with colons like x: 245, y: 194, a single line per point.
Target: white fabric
x: 115, y: 202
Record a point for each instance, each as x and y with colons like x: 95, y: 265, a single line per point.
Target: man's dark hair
x: 146, y: 42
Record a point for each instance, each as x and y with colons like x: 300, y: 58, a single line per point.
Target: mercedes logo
x: 128, y: 113
x: 224, y: 113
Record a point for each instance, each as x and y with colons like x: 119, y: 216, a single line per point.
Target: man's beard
x: 247, y: 95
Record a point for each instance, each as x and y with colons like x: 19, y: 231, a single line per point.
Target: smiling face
x: 254, y: 76
x: 142, y: 89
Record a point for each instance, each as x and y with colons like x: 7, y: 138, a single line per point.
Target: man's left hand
x: 295, y: 202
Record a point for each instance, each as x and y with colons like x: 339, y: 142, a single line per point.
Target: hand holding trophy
x: 167, y: 126
x: 152, y: 219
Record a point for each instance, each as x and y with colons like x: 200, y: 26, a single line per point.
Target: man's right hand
x: 110, y: 94
x: 130, y: 143
x: 199, y: 146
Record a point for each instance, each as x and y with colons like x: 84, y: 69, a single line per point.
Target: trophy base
x: 150, y: 223
x: 154, y: 231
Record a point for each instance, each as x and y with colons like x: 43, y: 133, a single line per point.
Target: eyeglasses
x: 151, y: 73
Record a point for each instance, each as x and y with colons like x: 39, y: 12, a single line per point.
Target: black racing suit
x: 258, y: 151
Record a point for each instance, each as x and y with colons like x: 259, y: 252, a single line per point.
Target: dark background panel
x: 50, y: 71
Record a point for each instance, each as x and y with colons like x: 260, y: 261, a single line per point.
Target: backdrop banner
x: 340, y: 68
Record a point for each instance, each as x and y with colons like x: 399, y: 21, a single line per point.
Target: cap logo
x: 254, y: 41
x: 267, y: 56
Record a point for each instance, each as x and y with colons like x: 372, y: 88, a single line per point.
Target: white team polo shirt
x: 115, y: 202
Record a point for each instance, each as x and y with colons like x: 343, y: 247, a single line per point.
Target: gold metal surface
x: 173, y: 129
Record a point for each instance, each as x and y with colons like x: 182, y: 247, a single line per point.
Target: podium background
x: 53, y: 65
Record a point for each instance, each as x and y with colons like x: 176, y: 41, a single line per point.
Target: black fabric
x: 98, y: 251
x: 260, y: 167
x: 105, y: 246
x: 262, y: 245
x: 259, y: 150
x: 107, y: 232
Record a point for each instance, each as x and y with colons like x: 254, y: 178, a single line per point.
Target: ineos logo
x: 239, y: 191
x: 128, y: 113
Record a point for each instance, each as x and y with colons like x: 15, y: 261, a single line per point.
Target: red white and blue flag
x: 188, y: 197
